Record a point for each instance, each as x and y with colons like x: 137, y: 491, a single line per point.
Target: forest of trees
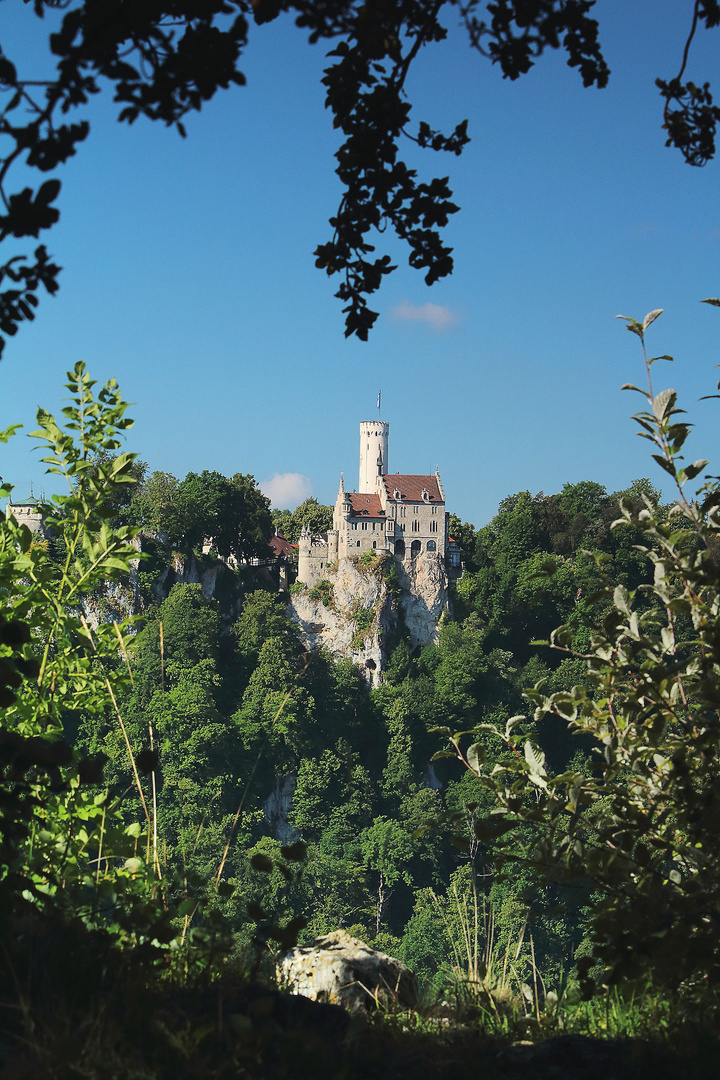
x: 497, y: 812
x: 235, y: 708
x: 526, y: 808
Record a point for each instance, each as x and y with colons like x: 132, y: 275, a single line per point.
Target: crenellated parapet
x: 315, y: 555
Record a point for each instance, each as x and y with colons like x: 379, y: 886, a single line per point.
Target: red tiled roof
x: 411, y: 487
x: 280, y: 546
x: 366, y: 505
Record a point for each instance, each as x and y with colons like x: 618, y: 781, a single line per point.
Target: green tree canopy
x: 190, y: 634
x: 152, y: 500
x: 232, y: 513
x: 317, y: 517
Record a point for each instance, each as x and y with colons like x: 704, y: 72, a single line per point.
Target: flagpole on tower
x: 378, y: 403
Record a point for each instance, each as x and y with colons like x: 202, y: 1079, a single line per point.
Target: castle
x: 402, y: 514
x: 26, y: 513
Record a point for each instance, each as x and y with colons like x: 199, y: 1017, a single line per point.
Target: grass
x: 73, y: 1007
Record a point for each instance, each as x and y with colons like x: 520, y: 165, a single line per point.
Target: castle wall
x: 359, y: 536
x: 419, y: 522
x: 315, y: 555
x: 26, y: 515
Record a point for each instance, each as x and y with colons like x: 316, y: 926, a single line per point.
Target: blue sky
x: 189, y: 276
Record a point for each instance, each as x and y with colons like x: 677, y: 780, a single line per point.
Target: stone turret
x: 315, y: 555
x: 373, y: 454
x: 26, y: 513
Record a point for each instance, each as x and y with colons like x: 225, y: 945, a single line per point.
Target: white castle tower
x: 373, y: 454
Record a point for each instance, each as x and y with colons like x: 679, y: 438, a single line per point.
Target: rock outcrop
x: 115, y: 602
x: 185, y: 571
x: 342, y: 970
x: 277, y: 809
x: 350, y: 618
x: 424, y: 597
x: 354, y: 613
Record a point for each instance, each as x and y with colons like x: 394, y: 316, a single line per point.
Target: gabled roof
x: 280, y: 546
x: 368, y: 506
x: 411, y: 487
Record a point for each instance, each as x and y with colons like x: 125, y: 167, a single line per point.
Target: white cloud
x: 286, y: 490
x: 435, y: 315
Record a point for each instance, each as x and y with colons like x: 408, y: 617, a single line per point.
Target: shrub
x: 68, y: 852
x: 642, y: 822
x: 363, y: 618
x: 323, y: 592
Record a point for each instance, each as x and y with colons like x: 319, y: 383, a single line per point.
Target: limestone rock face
x: 342, y: 970
x: 186, y: 572
x: 356, y: 618
x: 354, y: 621
x: 424, y: 597
x: 116, y: 601
x: 277, y: 809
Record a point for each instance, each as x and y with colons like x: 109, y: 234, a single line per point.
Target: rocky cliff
x: 119, y: 600
x: 424, y: 597
x: 356, y: 611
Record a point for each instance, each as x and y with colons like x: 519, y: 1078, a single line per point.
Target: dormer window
x: 425, y: 495
x: 397, y: 494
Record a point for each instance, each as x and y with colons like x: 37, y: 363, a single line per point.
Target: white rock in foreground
x: 342, y: 970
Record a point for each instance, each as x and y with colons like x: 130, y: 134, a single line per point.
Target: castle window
x: 431, y: 545
x: 358, y: 544
x: 415, y: 509
x: 374, y: 543
x: 364, y: 525
x: 433, y: 526
x: 416, y: 526
x: 402, y: 511
x: 434, y: 510
x: 354, y: 525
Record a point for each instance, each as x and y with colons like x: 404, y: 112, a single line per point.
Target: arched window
x: 414, y: 549
x: 400, y: 547
x: 358, y: 544
x: 432, y: 546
